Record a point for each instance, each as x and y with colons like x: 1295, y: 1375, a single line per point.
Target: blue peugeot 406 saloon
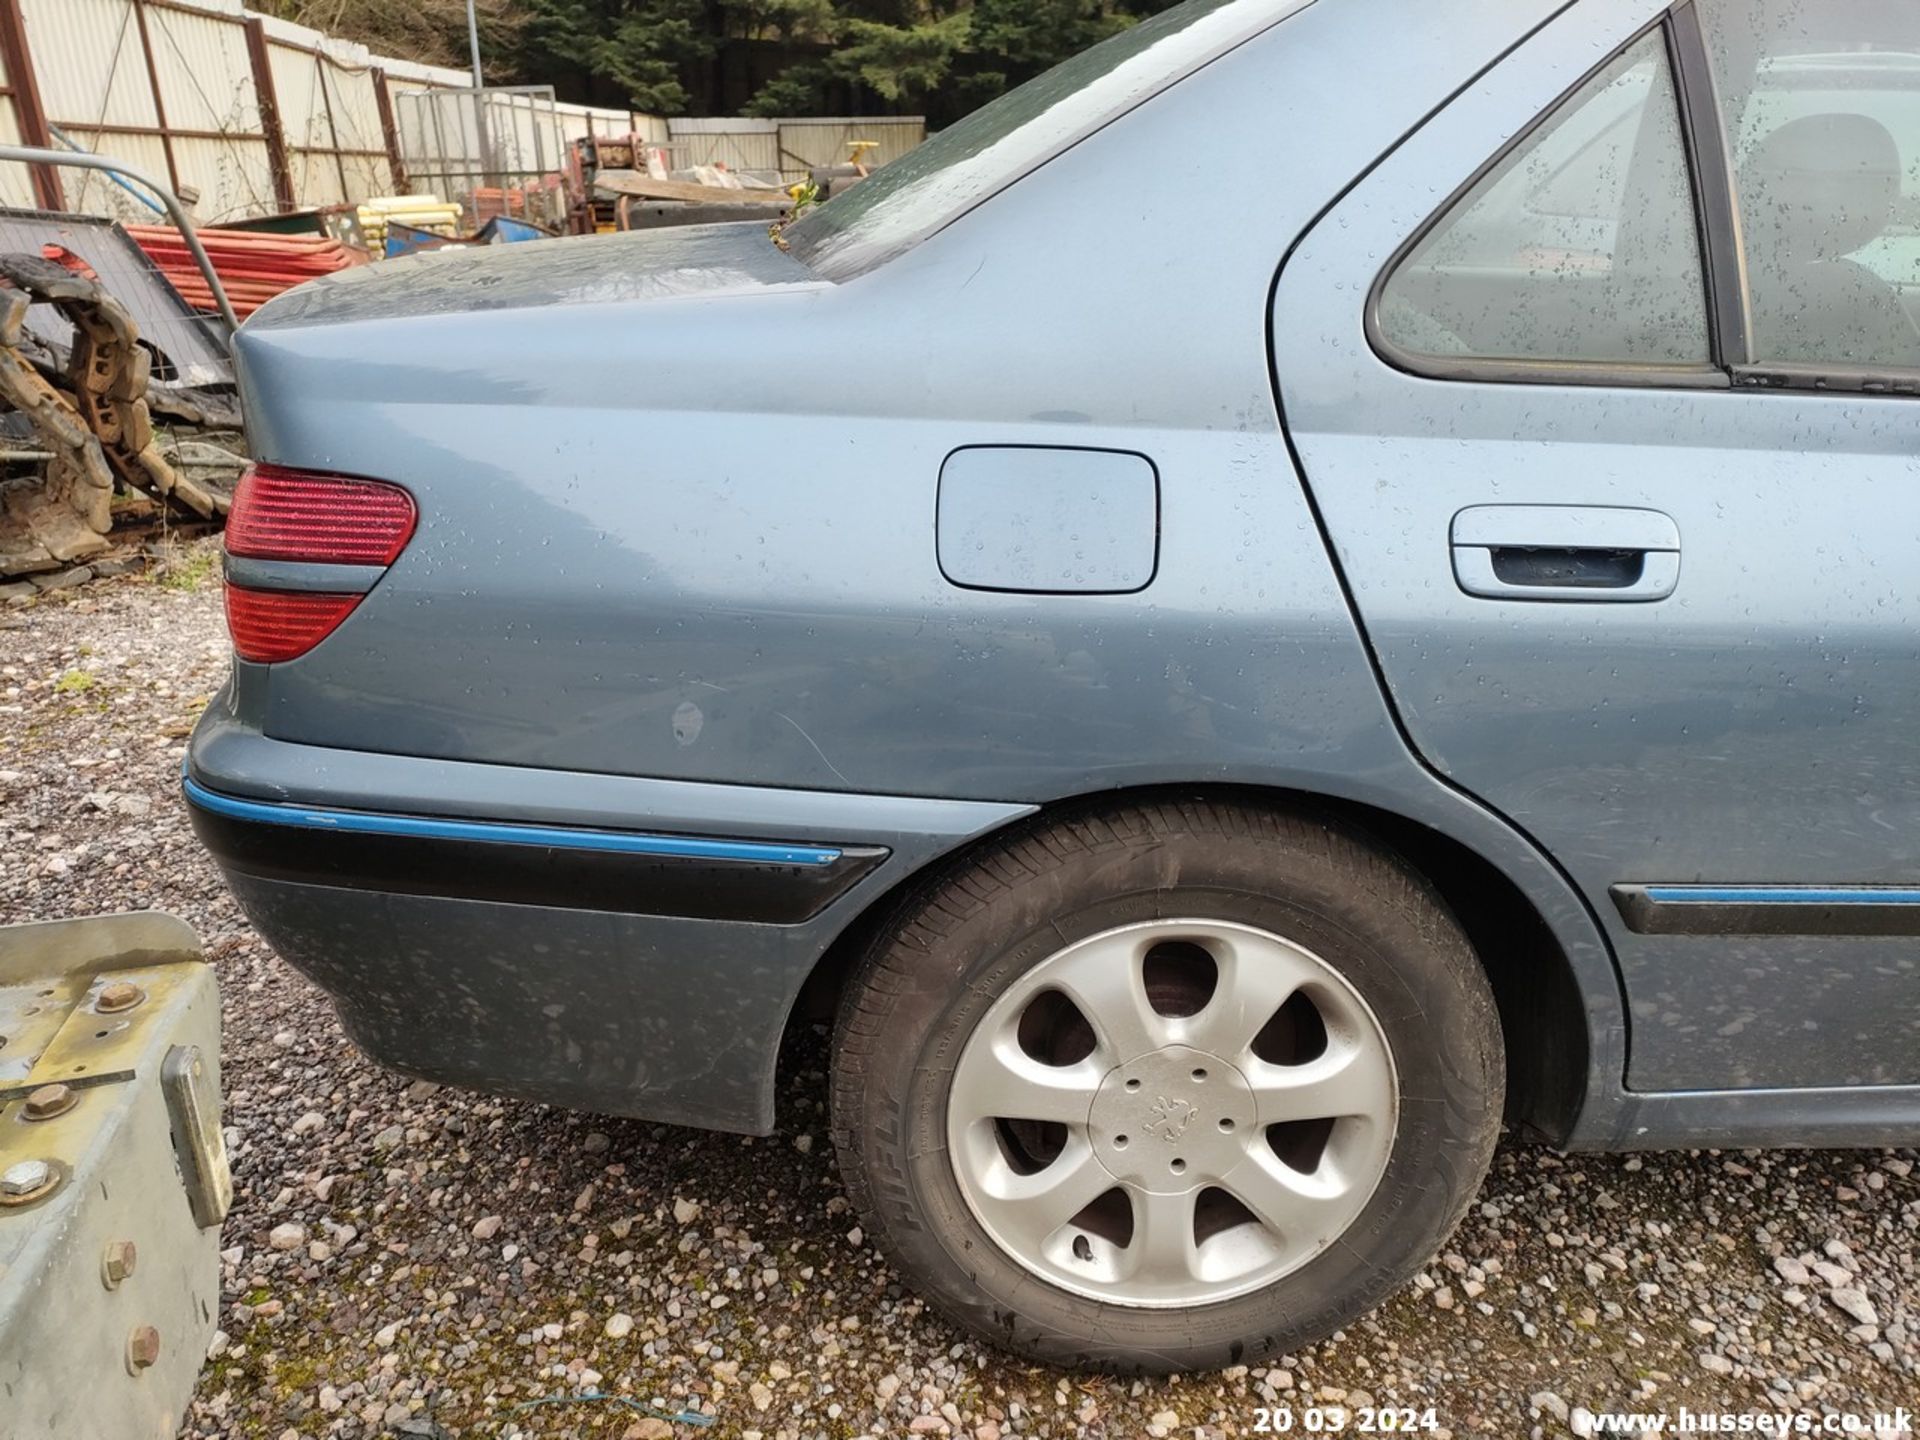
x: 1321, y: 578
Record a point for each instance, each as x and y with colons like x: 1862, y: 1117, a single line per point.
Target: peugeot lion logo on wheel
x: 1170, y: 1118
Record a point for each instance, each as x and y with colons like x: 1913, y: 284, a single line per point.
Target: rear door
x: 1629, y: 507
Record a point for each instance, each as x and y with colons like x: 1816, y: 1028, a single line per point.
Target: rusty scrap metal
x: 117, y: 997
x: 107, y: 374
x: 49, y: 1102
x: 118, y: 1262
x: 96, y: 425
x: 143, y: 1349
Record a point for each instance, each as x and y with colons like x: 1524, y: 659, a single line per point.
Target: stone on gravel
x: 1834, y: 1275
x: 1793, y: 1271
x: 1855, y: 1303
x: 290, y: 1236
x: 62, y: 580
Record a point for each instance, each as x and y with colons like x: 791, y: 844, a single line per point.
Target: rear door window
x: 1820, y: 100
x: 1581, y: 245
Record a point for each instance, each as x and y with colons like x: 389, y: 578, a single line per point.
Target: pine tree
x: 900, y: 61
x: 943, y: 57
x: 643, y: 48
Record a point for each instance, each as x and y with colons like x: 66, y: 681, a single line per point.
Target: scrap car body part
x: 113, y: 1175
x: 97, y: 427
x: 105, y: 428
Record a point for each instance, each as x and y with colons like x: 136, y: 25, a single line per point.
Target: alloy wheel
x: 1172, y: 1113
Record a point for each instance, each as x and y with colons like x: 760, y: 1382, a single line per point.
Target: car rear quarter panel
x: 694, y: 537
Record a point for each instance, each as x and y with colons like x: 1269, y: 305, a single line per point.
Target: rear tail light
x: 270, y: 625
x: 294, y: 517
x: 283, y: 514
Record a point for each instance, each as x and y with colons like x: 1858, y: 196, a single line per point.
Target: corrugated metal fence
x: 248, y: 115
x: 792, y: 148
x: 243, y: 114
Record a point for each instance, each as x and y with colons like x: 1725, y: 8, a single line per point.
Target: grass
x: 191, y: 572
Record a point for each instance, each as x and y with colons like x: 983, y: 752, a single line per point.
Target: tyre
x: 1175, y: 1086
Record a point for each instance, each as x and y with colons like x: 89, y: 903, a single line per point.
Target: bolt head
x: 117, y: 997
x: 25, y: 1177
x: 143, y: 1348
x: 118, y: 1262
x: 49, y: 1101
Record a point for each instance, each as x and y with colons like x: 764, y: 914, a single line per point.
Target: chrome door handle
x: 1566, y: 553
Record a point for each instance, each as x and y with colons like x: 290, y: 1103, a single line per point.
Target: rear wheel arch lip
x: 1578, y: 1119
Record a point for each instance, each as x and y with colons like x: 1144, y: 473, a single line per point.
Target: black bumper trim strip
x: 557, y: 877
x: 1767, y: 910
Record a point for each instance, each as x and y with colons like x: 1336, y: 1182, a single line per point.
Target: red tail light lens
x: 293, y: 516
x: 281, y: 514
x: 270, y: 625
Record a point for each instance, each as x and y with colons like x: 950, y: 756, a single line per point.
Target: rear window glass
x: 928, y: 189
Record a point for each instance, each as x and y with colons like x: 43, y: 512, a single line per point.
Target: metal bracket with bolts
x: 113, y: 1176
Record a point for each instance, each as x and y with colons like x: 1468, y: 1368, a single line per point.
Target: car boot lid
x: 695, y: 261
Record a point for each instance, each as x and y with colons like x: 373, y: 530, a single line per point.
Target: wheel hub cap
x: 1172, y: 1114
x: 1172, y: 1120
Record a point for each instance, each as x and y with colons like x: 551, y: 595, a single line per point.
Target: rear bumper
x: 606, y: 943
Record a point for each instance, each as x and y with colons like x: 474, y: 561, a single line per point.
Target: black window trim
x: 1723, y: 250
x: 1722, y: 257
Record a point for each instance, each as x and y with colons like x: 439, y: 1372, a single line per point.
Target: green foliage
x: 944, y: 57
x: 190, y: 570
x: 643, y: 47
x: 784, y: 19
x: 795, y: 91
x: 1029, y: 36
x: 900, y: 62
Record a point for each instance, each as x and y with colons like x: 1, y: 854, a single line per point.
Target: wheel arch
x: 1546, y: 1011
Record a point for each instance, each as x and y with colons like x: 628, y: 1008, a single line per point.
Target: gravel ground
x: 410, y: 1261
